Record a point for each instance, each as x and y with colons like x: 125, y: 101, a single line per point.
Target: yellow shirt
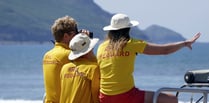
x: 116, y: 68
x: 53, y: 61
x: 80, y: 82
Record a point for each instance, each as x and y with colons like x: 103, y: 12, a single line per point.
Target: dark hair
x: 118, y: 38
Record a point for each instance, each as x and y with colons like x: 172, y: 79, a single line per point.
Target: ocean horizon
x: 22, y: 77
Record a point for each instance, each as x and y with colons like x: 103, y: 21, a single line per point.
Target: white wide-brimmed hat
x: 80, y: 45
x: 120, y: 21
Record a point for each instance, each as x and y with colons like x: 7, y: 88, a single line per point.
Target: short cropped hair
x: 63, y: 25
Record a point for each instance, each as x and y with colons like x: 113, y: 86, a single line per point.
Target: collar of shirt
x: 62, y: 45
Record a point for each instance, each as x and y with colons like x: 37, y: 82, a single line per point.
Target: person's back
x: 76, y: 81
x: 53, y: 61
x: 63, y: 30
x: 116, y: 67
x: 80, y: 77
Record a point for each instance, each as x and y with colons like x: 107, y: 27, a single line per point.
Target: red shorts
x: 133, y: 96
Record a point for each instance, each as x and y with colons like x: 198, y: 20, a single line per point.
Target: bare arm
x: 164, y: 49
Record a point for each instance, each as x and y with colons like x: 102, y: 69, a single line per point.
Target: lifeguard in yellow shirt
x: 80, y: 77
x: 116, y: 57
x: 63, y: 30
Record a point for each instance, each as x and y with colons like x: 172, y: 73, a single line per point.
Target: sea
x: 21, y: 75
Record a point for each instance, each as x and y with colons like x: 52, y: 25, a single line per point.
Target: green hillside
x: 160, y: 35
x: 30, y: 20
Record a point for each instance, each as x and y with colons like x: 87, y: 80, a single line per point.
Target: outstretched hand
x: 189, y: 42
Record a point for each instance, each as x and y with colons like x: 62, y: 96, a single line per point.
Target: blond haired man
x: 63, y: 30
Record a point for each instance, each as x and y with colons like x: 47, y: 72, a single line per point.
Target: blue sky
x: 186, y: 17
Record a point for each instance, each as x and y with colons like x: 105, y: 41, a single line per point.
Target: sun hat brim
x: 110, y: 27
x: 76, y: 54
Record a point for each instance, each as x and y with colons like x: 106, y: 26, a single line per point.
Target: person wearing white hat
x: 116, y: 57
x: 80, y: 78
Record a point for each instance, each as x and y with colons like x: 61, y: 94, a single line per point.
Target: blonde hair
x: 63, y: 25
x: 118, y: 38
